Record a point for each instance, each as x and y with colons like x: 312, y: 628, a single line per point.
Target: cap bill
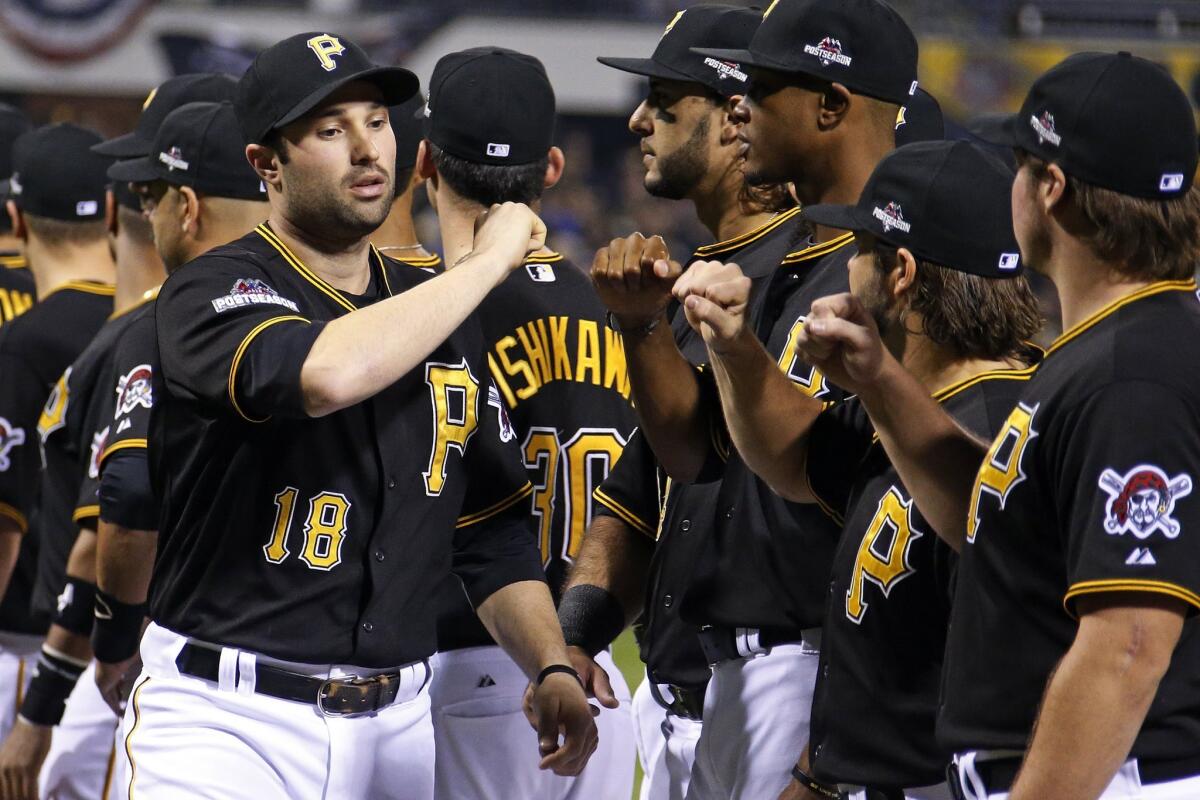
x: 997, y: 129
x: 396, y: 83
x: 647, y: 67
x: 131, y: 145
x: 134, y: 170
x: 846, y: 218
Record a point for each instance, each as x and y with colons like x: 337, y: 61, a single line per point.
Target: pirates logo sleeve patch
x: 1142, y: 501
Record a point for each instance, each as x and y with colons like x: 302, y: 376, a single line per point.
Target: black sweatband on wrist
x: 118, y: 628
x: 53, y: 679
x: 591, y: 617
x: 75, y: 604
x: 553, y: 668
x: 813, y: 785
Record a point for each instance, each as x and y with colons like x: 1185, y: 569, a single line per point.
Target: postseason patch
x: 250, y: 291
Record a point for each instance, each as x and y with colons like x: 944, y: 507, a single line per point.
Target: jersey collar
x: 738, y: 242
x: 1147, y: 291
x: 264, y: 230
x: 814, y: 251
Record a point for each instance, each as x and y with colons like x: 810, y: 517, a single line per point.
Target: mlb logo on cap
x: 1171, y: 182
x: 1010, y: 260
x: 497, y: 150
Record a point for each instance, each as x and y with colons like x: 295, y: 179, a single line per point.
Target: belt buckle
x: 368, y: 691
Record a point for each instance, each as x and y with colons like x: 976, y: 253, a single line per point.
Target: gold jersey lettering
x: 559, y: 326
x: 588, y: 358
x: 883, y: 554
x: 1002, y: 469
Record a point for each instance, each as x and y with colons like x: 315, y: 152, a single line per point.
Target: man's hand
x: 841, y: 339
x: 508, y: 232
x: 714, y: 298
x: 559, y: 707
x: 633, y: 277
x: 115, y: 681
x: 21, y: 760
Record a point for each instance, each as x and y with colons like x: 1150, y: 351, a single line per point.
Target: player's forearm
x: 360, y: 354
x: 10, y: 548
x: 1097, y: 699
x: 72, y: 645
x: 522, y: 620
x: 768, y: 418
x: 615, y: 557
x: 81, y: 563
x: 936, y: 458
x: 125, y: 562
x: 669, y: 403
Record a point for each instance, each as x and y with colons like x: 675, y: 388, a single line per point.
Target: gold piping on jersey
x: 493, y: 510
x: 127, y: 444
x: 264, y: 230
x: 108, y: 771
x: 420, y: 262
x: 737, y: 242
x: 14, y: 262
x: 621, y: 511
x: 1155, y: 288
x: 818, y: 250
x: 15, y: 516
x: 544, y: 258
x: 237, y: 359
x: 90, y: 287
x: 147, y: 296
x: 20, y: 683
x: 137, y: 719
x: 85, y: 512
x: 1129, y: 585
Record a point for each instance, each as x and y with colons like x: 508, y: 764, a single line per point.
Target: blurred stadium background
x: 94, y: 61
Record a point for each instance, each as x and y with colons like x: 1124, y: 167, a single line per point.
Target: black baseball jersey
x: 1088, y: 488
x: 17, y: 291
x: 559, y: 374
x: 763, y: 561
x: 35, y: 349
x: 320, y: 540
x: 636, y: 491
x: 430, y: 263
x: 132, y: 385
x: 888, y: 605
x: 72, y: 428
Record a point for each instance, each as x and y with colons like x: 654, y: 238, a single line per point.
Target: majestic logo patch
x: 1141, y: 557
x: 485, y: 681
x: 892, y: 217
x: 1141, y: 501
x: 133, y: 390
x: 1170, y: 182
x: 1009, y: 260
x: 99, y: 441
x: 249, y: 291
x: 828, y: 51
x: 1043, y: 126
x: 326, y: 47
x: 10, y: 437
x: 507, y: 434
x: 173, y: 158
x: 542, y: 273
x: 498, y: 150
x: 727, y: 69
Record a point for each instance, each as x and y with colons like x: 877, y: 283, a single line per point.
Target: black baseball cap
x: 197, y: 145
x: 920, y: 120
x: 170, y: 95
x: 1112, y: 120
x: 863, y: 44
x: 490, y: 105
x: 56, y: 174
x: 13, y: 123
x: 699, y: 26
x: 292, y: 77
x: 408, y: 123
x: 947, y: 202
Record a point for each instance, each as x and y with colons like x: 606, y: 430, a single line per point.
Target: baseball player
x: 397, y: 236
x: 58, y: 213
x: 945, y: 287
x: 757, y: 570
x: 689, y: 139
x: 71, y: 434
x: 216, y: 199
x: 1070, y: 663
x: 320, y: 424
x: 559, y: 376
x: 16, y: 282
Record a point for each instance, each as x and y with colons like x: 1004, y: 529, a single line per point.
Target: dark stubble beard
x: 681, y: 171
x: 315, y: 207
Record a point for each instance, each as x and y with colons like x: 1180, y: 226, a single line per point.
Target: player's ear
x: 110, y: 212
x: 425, y: 166
x: 266, y: 163
x: 18, y: 221
x: 1051, y: 187
x: 189, y: 210
x: 834, y: 105
x: 556, y: 162
x: 730, y: 121
x: 905, y: 272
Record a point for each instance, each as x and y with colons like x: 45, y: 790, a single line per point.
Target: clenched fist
x: 633, y: 277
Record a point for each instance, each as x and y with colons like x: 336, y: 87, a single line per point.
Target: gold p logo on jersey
x: 770, y: 8
x: 671, y: 24
x: 326, y: 47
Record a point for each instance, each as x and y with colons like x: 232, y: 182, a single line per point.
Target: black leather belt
x: 998, y: 775
x: 684, y: 702
x: 720, y: 644
x: 334, y: 697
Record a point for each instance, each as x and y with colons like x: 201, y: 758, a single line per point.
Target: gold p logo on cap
x: 326, y: 47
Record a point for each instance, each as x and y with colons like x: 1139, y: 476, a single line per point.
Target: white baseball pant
x: 666, y: 747
x: 80, y: 761
x: 187, y: 737
x: 756, y: 714
x: 486, y: 748
x: 18, y: 657
x: 1125, y: 785
x: 936, y: 792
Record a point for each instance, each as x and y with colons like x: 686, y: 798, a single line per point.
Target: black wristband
x: 53, y: 679
x: 553, y: 668
x: 811, y: 783
x: 75, y: 604
x: 610, y: 319
x: 118, y: 628
x: 591, y: 617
